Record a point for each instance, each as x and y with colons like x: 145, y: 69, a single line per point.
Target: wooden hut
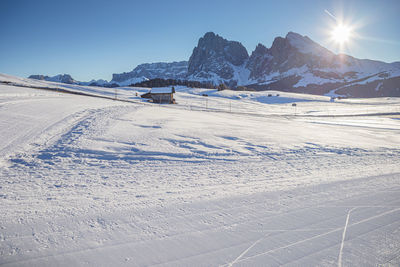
x: 163, y: 95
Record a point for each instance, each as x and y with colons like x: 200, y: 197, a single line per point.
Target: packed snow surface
x: 219, y: 179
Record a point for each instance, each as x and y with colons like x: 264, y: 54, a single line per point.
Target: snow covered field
x: 231, y: 179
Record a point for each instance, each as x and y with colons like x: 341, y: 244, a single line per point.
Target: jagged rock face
x: 64, y: 78
x: 38, y: 77
x: 174, y: 70
x: 216, y: 55
x: 259, y: 62
x: 294, y: 51
x: 298, y: 64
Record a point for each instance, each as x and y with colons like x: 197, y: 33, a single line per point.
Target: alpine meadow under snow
x: 94, y: 176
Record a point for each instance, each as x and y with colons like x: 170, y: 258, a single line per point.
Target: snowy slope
x: 234, y: 178
x: 232, y: 101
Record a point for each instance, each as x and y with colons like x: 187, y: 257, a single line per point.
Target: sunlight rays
x: 342, y: 32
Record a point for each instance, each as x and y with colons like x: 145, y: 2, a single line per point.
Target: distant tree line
x: 110, y: 85
x: 243, y: 88
x: 158, y: 82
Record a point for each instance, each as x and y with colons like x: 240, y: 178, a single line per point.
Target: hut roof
x: 161, y: 90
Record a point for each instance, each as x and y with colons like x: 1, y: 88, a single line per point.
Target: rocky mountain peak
x: 279, y: 47
x: 38, y: 77
x: 258, y: 61
x: 216, y: 55
x: 293, y: 52
x: 210, y: 36
x: 305, y: 45
x: 233, y: 50
x: 297, y: 36
x: 260, y: 48
x: 171, y: 70
x: 213, y: 45
x: 62, y: 78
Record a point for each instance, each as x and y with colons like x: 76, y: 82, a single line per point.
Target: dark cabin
x: 163, y: 95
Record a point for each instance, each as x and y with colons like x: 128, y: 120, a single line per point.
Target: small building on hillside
x: 162, y: 95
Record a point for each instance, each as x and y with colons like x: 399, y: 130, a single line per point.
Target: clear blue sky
x: 93, y: 39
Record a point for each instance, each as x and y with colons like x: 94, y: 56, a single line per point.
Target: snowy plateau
x: 94, y: 176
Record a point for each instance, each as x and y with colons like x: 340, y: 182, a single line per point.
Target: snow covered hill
x: 227, y: 179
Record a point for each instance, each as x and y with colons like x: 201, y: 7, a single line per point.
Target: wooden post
x: 295, y: 106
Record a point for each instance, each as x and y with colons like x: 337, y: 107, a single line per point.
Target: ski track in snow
x: 343, y: 237
x: 97, y: 182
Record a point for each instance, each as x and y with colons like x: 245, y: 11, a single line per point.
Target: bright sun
x: 341, y: 34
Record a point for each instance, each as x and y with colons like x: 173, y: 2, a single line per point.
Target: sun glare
x: 342, y: 31
x: 341, y: 34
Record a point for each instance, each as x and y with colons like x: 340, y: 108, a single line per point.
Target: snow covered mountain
x: 173, y: 70
x: 99, y: 82
x: 66, y: 78
x: 60, y: 78
x: 294, y: 63
x: 217, y: 60
x: 298, y: 64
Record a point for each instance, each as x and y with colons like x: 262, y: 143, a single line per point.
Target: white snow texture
x: 228, y: 179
